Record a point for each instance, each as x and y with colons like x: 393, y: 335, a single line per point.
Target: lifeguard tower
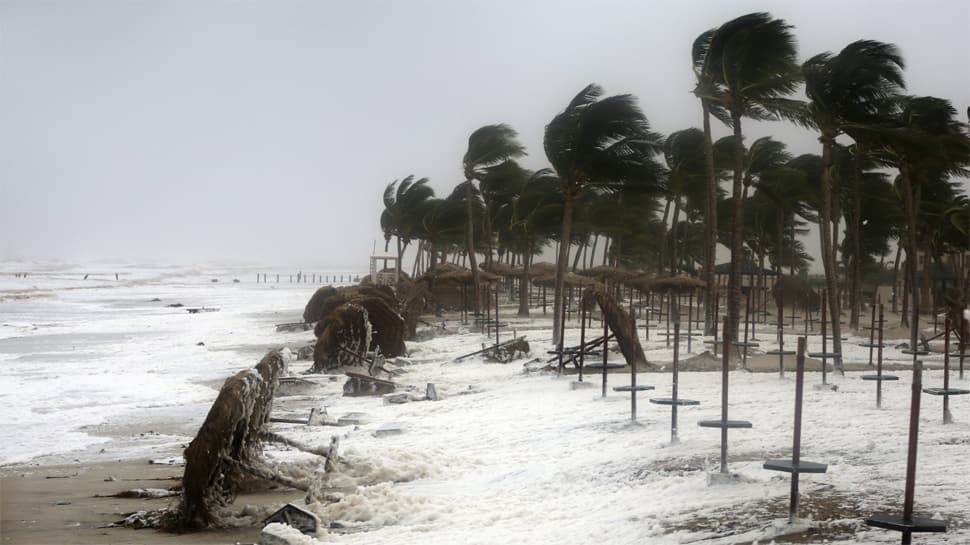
x: 386, y: 275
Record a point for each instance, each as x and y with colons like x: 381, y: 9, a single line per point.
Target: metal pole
x: 946, y: 373
x: 781, y: 334
x: 879, y: 361
x: 825, y: 365
x: 797, y: 439
x: 913, y: 444
x: 606, y: 344
x: 872, y: 333
x: 673, y: 408
x: 582, y: 341
x: 725, y: 355
x: 690, y: 318
x: 633, y: 380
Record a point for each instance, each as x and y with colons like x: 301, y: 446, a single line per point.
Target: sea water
x: 86, y: 361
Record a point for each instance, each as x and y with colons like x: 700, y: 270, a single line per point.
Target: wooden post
x: 606, y: 345
x: 947, y: 418
x: 673, y: 408
x: 633, y: 377
x: 781, y: 334
x: 562, y: 343
x: 913, y: 445
x: 797, y: 439
x: 747, y: 319
x: 825, y: 361
x: 582, y: 341
x: 690, y: 318
x: 496, y: 316
x: 872, y: 333
x: 879, y: 362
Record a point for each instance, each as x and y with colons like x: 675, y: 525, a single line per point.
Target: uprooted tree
x: 229, y: 440
x: 620, y: 323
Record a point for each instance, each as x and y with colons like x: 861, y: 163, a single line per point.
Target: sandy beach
x: 490, y: 460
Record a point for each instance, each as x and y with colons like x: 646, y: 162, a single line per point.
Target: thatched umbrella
x: 542, y: 268
x: 613, y: 274
x: 503, y: 269
x: 676, y: 284
x: 621, y: 324
x: 570, y: 280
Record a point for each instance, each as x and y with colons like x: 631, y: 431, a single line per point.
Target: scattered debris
x: 432, y: 392
x: 389, y: 428
x: 201, y: 309
x: 363, y: 385
x: 352, y: 419
x: 175, y: 305
x: 296, y: 517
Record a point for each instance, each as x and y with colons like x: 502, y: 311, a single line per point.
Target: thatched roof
x: 617, y: 274
x: 747, y: 267
x: 542, y: 268
x: 449, y: 272
x: 570, y: 280
x: 502, y: 269
x: 646, y: 283
x: 676, y: 283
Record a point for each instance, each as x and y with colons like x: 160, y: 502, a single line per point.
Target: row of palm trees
x: 885, y: 171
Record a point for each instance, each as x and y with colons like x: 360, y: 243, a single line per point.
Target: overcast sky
x: 267, y: 131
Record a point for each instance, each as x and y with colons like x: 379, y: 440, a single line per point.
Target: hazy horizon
x: 266, y: 132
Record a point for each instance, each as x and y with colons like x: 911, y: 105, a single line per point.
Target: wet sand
x: 60, y: 505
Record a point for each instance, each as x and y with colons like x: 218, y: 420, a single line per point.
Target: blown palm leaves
x: 604, y: 142
x: 403, y: 201
x: 488, y: 148
x: 745, y: 68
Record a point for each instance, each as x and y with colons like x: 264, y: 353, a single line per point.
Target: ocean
x: 94, y: 366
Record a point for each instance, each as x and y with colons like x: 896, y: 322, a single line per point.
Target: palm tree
x: 749, y: 65
x: 684, y: 153
x: 846, y: 90
x: 488, y: 147
x: 532, y: 219
x: 597, y: 142
x: 926, y: 143
x: 401, y: 201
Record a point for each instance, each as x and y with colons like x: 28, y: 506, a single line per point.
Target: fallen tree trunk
x: 620, y: 324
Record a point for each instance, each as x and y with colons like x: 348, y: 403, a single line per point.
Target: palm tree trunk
x: 674, y: 246
x: 579, y: 254
x: 911, y: 265
x: 487, y: 221
x: 561, y: 262
x: 899, y: 250
x: 606, y: 248
x: 470, y: 241
x: 524, y: 285
x: 828, y: 253
x: 400, y: 255
x: 710, y: 226
x: 737, y: 254
x: 661, y: 258
x: 592, y: 252
x: 855, y: 298
x: 779, y: 248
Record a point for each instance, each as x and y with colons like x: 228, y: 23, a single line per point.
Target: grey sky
x: 266, y: 131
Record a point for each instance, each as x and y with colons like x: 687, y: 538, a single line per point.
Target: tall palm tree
x: 925, y: 142
x: 533, y: 218
x: 846, y: 90
x: 684, y: 153
x: 750, y: 66
x: 488, y: 147
x: 401, y: 201
x: 597, y: 141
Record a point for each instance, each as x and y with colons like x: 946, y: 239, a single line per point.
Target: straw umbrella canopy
x: 571, y: 280
x: 542, y: 268
x: 677, y: 284
x: 613, y: 274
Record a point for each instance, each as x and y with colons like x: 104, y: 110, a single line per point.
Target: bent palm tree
x: 488, y: 147
x: 401, y: 200
x: 597, y: 142
x: 749, y: 65
x: 846, y: 90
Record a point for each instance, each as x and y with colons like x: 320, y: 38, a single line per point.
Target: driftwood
x: 504, y: 344
x: 229, y: 436
x: 620, y: 324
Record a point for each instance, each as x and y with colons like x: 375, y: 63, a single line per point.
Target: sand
x: 59, y: 505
